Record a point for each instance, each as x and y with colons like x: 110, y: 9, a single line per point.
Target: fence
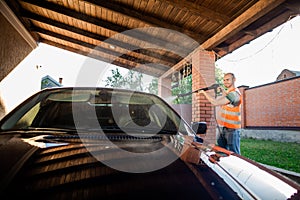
x: 274, y: 105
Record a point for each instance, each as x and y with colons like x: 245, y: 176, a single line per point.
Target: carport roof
x: 143, y: 35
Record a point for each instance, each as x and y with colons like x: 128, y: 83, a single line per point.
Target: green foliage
x: 278, y: 154
x: 153, y: 86
x: 115, y: 80
x: 219, y: 74
x: 132, y: 80
x: 184, y: 86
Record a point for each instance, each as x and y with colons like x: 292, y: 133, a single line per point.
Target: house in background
x: 285, y: 74
x: 48, y: 82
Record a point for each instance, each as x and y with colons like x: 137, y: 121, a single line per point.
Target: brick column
x: 203, y: 75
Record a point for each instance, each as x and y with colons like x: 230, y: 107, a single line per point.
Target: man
x: 229, y: 115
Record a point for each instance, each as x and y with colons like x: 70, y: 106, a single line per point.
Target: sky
x: 256, y: 63
x: 262, y: 60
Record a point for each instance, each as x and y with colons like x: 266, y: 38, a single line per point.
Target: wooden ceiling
x: 150, y: 36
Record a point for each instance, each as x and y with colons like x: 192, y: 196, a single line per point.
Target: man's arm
x: 234, y: 98
x: 216, y: 102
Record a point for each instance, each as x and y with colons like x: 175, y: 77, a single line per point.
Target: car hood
x: 49, y: 164
x: 52, y: 166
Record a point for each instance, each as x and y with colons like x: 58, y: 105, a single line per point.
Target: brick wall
x: 275, y: 105
x: 13, y: 48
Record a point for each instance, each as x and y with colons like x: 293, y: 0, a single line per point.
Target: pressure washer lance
x: 213, y: 86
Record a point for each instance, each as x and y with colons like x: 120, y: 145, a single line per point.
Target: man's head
x: 229, y: 80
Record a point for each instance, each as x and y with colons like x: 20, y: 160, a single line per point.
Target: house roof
x: 48, y: 81
x: 290, y: 73
x: 150, y: 36
x: 297, y: 73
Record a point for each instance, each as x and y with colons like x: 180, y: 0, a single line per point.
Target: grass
x: 278, y: 154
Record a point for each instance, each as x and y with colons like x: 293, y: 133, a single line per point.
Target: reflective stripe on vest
x: 229, y: 116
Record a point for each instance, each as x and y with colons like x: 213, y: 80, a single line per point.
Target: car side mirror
x: 199, y: 127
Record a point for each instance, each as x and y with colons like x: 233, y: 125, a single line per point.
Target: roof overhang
x: 153, y: 37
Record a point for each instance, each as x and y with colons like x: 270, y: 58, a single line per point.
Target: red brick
x: 276, y: 104
x: 203, y: 75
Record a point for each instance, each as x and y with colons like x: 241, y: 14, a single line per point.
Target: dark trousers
x: 229, y: 138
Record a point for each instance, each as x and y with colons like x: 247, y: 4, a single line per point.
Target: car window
x: 97, y: 109
x: 26, y: 120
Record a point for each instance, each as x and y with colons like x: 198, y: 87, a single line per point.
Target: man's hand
x: 221, y: 90
x: 201, y: 91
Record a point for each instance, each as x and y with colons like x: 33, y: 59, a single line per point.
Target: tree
x: 184, y: 86
x: 153, y: 86
x: 219, y: 76
x: 132, y: 80
x: 115, y: 80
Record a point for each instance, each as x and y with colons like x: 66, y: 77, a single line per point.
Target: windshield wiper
x: 51, y: 128
x: 149, y: 130
x: 47, y: 130
x: 169, y: 132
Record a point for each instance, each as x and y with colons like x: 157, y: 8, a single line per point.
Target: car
x: 108, y: 143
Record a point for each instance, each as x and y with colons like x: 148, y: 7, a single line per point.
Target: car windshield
x: 94, y: 109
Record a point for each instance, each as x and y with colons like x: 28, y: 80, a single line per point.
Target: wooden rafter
x: 251, y: 35
x: 155, y: 72
x: 169, y: 61
x: 137, y: 34
x: 145, y: 17
x: 129, y: 33
x: 200, y: 11
x: 249, y: 16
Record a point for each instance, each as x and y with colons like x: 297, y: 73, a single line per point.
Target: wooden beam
x: 127, y: 11
x: 136, y: 34
x: 252, y: 32
x: 260, y: 31
x: 81, y: 52
x: 118, y: 62
x: 166, y: 60
x: 294, y: 6
x: 176, y: 67
x: 92, y: 46
x: 249, y: 16
x: 252, y: 14
x: 199, y: 10
x: 132, y: 62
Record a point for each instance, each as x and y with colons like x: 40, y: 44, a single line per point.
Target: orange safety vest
x: 229, y: 115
